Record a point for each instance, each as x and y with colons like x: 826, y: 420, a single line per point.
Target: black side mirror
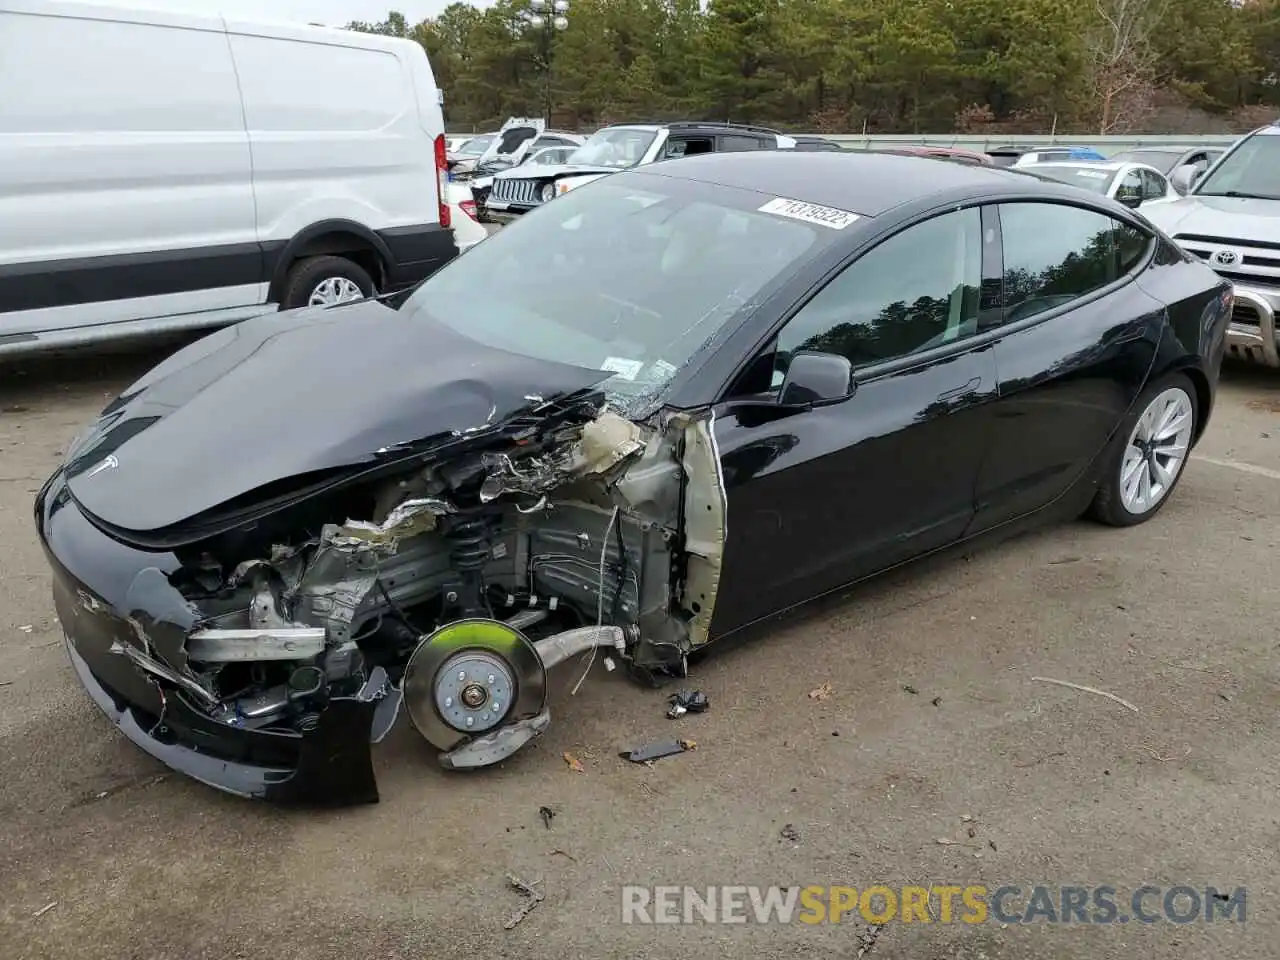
x: 815, y: 378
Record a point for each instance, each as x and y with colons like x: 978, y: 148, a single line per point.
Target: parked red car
x: 942, y: 153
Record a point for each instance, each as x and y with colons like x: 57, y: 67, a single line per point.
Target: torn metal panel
x: 651, y: 486
x: 232, y: 646
x: 598, y: 447
x: 340, y: 575
x: 606, y: 442
x: 154, y: 667
x: 408, y: 519
x: 705, y: 525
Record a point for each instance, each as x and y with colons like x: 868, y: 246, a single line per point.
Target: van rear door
x: 125, y: 177
x: 335, y: 129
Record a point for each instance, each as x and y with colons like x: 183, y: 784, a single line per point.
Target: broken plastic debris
x: 789, y: 832
x: 547, y: 815
x: 687, y: 701
x: 574, y: 763
x: 45, y: 909
x: 822, y: 692
x: 26, y: 628
x: 656, y: 751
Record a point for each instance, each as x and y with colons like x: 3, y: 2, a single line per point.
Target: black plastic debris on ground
x: 687, y: 701
x: 547, y: 815
x: 656, y: 751
x: 789, y: 832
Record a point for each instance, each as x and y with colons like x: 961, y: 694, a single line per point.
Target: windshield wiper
x: 1241, y: 195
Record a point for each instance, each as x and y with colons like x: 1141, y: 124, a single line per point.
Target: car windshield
x: 475, y: 146
x: 1251, y: 170
x: 633, y: 275
x: 1086, y: 178
x: 1162, y: 160
x: 619, y: 147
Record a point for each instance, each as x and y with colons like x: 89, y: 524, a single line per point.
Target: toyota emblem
x: 1226, y: 258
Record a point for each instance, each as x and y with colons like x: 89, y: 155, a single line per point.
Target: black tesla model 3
x: 663, y: 407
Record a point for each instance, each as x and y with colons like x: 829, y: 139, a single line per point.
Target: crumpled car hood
x: 290, y: 394
x: 1232, y: 218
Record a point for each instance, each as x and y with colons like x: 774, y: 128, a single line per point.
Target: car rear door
x: 824, y: 497
x: 1079, y: 339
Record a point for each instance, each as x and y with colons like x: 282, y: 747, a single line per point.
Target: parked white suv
x: 164, y: 171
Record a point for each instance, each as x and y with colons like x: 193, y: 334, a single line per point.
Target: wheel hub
x: 471, y: 677
x: 473, y: 691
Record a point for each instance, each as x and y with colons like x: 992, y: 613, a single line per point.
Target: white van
x: 164, y: 171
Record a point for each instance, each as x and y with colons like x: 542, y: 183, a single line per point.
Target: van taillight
x: 469, y: 208
x: 442, y: 180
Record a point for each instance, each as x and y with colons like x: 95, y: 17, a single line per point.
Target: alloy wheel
x: 1157, y: 450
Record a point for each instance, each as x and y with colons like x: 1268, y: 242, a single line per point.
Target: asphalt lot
x: 933, y: 718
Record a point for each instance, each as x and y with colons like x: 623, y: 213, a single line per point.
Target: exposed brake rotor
x: 471, y: 677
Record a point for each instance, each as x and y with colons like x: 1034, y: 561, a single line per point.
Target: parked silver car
x: 1169, y: 157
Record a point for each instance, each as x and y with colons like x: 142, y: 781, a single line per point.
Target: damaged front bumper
x: 93, y: 578
x: 264, y: 661
x: 125, y: 626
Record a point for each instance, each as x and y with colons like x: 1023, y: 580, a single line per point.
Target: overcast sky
x: 334, y: 13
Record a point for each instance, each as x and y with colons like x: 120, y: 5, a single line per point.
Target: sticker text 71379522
x: 831, y: 217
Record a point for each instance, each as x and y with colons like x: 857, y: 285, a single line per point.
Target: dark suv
x: 620, y: 147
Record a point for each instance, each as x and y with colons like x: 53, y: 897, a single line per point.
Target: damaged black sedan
x: 662, y: 408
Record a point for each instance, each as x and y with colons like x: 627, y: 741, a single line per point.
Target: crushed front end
x: 262, y: 650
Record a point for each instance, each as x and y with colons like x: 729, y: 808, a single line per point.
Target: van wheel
x: 324, y: 282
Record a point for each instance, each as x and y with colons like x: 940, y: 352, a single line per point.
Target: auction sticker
x: 626, y: 369
x: 810, y: 213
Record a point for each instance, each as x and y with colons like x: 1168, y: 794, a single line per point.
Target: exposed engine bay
x: 449, y: 589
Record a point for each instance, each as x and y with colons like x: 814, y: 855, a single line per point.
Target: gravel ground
x: 934, y: 730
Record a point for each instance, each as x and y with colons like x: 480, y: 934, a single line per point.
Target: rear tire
x: 325, y: 281
x: 1148, y: 454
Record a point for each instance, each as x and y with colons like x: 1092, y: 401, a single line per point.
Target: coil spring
x: 470, y: 545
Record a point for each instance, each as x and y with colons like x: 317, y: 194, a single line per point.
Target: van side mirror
x: 1184, y: 178
x: 816, y: 378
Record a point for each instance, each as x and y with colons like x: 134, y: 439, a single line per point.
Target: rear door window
x: 734, y: 143
x: 686, y: 147
x: 1055, y: 253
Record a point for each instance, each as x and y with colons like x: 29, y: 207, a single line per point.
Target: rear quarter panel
x: 1198, y: 315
